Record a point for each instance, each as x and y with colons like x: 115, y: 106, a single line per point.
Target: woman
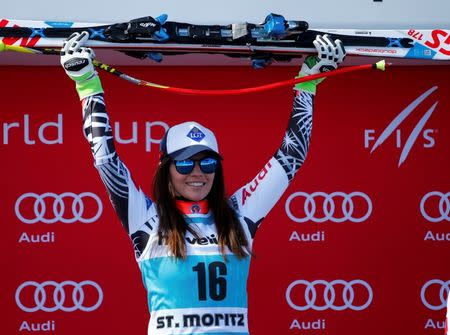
x: 192, y: 244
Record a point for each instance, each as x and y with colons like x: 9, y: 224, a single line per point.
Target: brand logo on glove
x: 326, y: 68
x: 76, y: 64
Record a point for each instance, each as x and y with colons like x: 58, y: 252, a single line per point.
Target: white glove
x: 77, y: 62
x: 76, y: 59
x: 330, y: 55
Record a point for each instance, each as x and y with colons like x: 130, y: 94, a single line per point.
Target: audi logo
x: 443, y: 207
x: 349, y: 202
x: 444, y: 288
x: 329, y: 295
x: 57, y: 300
x: 58, y: 208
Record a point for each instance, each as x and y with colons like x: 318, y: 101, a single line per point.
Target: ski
x: 275, y: 39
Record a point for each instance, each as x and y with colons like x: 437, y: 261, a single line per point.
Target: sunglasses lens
x: 208, y: 165
x: 184, y: 167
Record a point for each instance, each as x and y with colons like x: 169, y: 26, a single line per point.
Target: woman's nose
x: 197, y: 169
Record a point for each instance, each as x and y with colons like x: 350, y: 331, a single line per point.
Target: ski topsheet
x: 276, y: 38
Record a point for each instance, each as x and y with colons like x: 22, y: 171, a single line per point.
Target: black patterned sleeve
x: 132, y: 206
x: 293, y: 150
x: 254, y: 200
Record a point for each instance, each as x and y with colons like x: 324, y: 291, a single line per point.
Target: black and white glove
x: 329, y: 55
x: 77, y: 62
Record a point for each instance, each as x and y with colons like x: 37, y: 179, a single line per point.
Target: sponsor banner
x: 51, y: 208
x: 434, y: 295
x: 361, y: 235
x: 435, y: 206
x: 335, y: 207
x: 198, y: 320
x: 439, y: 301
x: 426, y: 135
x: 51, y: 296
x: 59, y: 204
x: 327, y: 293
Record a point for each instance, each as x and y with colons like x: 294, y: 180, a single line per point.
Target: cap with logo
x: 187, y: 139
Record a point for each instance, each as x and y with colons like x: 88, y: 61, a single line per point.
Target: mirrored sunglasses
x: 207, y: 165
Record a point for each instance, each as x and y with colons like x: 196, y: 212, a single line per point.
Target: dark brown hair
x: 172, y: 226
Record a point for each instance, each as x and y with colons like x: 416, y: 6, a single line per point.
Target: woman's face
x: 194, y: 186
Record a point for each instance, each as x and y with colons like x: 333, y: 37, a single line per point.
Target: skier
x: 193, y: 244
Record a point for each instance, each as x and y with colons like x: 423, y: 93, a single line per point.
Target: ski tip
x: 2, y: 46
x: 381, y: 65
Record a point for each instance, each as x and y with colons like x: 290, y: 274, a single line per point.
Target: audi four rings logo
x: 58, y: 208
x: 443, y: 207
x: 347, y: 212
x: 57, y: 301
x: 440, y: 299
x: 350, y: 290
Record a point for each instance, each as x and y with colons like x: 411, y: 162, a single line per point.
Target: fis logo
x: 196, y: 134
x: 418, y: 130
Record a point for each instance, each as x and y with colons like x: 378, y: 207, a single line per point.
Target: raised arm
x: 129, y: 202
x: 254, y: 200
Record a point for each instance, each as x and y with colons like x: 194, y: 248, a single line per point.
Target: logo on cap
x: 196, y: 134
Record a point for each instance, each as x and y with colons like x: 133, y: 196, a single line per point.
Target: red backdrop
x: 372, y: 262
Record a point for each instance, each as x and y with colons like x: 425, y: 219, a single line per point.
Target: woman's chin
x: 195, y: 195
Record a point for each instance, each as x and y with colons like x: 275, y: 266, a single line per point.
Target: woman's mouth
x: 196, y: 184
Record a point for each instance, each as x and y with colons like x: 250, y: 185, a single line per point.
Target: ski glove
x: 77, y: 61
x: 330, y: 55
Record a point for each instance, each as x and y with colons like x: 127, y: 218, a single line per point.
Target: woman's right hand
x: 77, y: 62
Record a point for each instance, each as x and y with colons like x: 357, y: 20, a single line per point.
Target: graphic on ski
x: 274, y: 39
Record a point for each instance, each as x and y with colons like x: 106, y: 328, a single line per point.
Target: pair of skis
x: 275, y: 39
